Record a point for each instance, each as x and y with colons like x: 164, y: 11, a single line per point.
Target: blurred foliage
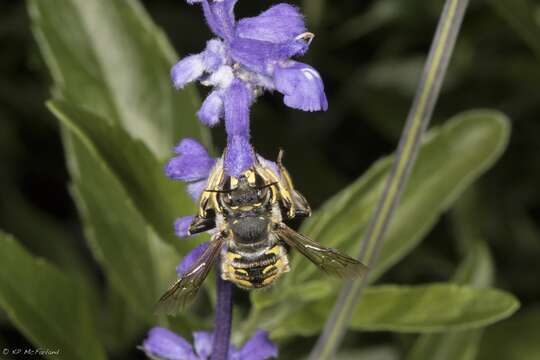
x: 92, y: 243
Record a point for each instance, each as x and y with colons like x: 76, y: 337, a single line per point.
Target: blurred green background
x: 370, y: 55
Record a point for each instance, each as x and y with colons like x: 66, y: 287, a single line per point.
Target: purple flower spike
x: 181, y: 226
x: 190, y: 259
x: 302, y: 86
x: 167, y: 345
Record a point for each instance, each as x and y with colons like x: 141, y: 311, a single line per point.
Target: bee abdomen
x: 253, y: 272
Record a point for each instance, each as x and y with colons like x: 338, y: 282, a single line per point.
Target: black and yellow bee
x: 251, y: 239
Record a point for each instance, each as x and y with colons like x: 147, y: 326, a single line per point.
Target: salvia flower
x: 247, y: 57
x: 163, y: 344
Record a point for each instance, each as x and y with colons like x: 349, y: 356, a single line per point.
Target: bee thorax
x: 249, y: 230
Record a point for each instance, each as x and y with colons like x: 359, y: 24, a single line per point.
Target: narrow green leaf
x: 47, y: 306
x: 120, y: 239
x: 423, y: 309
x: 410, y: 142
x: 159, y: 199
x: 108, y: 57
x: 450, y: 159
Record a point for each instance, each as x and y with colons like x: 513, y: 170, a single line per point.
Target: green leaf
x: 476, y: 270
x: 421, y: 309
x: 32, y: 225
x: 108, y: 57
x: 450, y: 159
x: 159, y: 199
x: 121, y: 325
x: 515, y: 338
x: 127, y: 248
x: 47, y: 306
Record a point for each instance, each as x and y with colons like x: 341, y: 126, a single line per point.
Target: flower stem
x: 222, y: 328
x: 417, y: 121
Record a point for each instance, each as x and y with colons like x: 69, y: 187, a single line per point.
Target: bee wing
x: 185, y: 289
x: 328, y: 260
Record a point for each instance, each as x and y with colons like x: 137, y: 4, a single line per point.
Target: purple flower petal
x: 202, y: 340
x: 302, y: 86
x: 237, y: 102
x: 167, y: 345
x: 269, y: 164
x: 255, y: 55
x: 239, y: 155
x: 211, y: 110
x: 220, y: 17
x: 181, y: 226
x: 188, y: 260
x: 187, y: 70
x: 260, y: 56
x: 191, y: 147
x: 279, y: 24
x: 259, y: 347
x: 214, y: 55
x: 196, y: 188
x: 193, y: 163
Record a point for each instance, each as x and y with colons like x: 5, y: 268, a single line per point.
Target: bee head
x: 245, y: 192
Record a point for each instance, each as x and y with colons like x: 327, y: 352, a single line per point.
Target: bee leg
x: 199, y: 225
x: 301, y: 206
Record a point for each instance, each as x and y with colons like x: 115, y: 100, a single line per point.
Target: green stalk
x: 417, y: 121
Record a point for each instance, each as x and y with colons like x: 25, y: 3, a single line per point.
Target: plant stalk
x: 417, y: 121
x: 222, y: 328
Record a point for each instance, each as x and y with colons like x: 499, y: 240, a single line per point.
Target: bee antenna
x: 268, y: 185
x: 217, y: 191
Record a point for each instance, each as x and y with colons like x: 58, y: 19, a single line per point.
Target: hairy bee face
x: 242, y: 195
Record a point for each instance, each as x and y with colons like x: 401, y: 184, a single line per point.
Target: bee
x: 246, y: 215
